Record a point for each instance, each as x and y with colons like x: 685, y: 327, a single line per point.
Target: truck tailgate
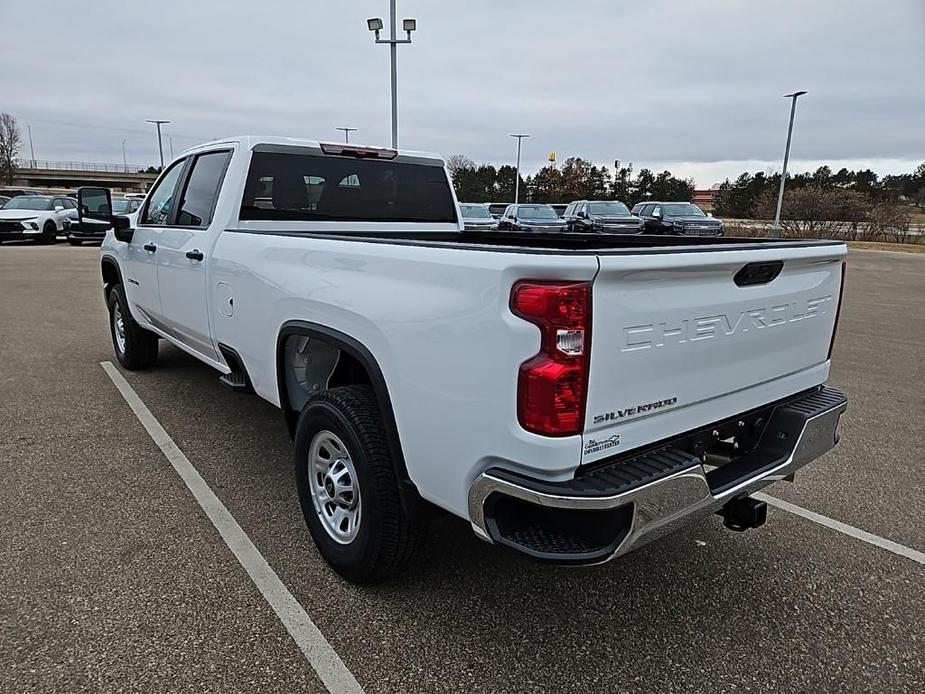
x: 684, y: 339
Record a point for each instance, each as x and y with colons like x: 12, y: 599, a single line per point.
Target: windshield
x: 536, y: 212
x: 474, y: 212
x: 609, y: 209
x: 28, y: 202
x: 682, y: 209
x: 123, y: 205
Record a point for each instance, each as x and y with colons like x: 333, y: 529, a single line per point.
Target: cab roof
x: 254, y: 142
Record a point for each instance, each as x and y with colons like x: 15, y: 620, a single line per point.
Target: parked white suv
x: 571, y: 396
x: 38, y: 217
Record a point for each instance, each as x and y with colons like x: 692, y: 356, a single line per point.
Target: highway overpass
x: 73, y: 174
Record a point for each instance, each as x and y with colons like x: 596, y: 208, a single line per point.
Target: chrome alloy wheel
x: 334, y: 487
x: 118, y: 328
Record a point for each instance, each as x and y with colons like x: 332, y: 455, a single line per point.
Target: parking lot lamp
x: 347, y: 132
x: 775, y: 228
x: 160, y: 144
x: 408, y: 25
x: 520, y: 137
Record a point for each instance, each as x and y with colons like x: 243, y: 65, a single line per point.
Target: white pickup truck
x: 572, y: 396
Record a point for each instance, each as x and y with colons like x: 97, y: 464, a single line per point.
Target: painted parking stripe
x: 844, y: 528
x: 319, y: 653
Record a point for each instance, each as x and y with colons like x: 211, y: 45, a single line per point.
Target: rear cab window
x: 318, y: 187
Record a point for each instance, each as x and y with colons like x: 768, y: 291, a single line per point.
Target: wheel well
x: 110, y: 276
x: 311, y: 365
x: 311, y: 358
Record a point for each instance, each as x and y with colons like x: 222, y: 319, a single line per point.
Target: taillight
x: 552, y: 386
x: 841, y: 293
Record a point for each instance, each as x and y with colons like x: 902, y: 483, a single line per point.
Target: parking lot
x: 114, y: 579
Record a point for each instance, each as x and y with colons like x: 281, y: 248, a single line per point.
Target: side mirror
x: 122, y: 228
x: 582, y: 214
x: 94, y: 209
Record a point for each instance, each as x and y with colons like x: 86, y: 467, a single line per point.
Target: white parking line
x: 319, y: 653
x: 849, y: 530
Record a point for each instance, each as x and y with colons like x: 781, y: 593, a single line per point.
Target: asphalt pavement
x: 113, y: 579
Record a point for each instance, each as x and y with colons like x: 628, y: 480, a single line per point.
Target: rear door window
x: 310, y: 187
x: 198, y: 200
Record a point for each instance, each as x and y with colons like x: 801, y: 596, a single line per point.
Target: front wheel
x: 135, y: 347
x: 49, y: 233
x: 347, y: 486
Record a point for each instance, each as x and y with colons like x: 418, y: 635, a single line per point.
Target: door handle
x: 150, y: 247
x: 195, y: 254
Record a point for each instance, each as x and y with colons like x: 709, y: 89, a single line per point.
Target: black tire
x: 49, y: 233
x: 75, y: 242
x: 385, y: 537
x: 139, y: 350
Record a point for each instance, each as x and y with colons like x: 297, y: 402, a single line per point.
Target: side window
x: 70, y: 203
x: 201, y: 190
x: 57, y: 202
x: 582, y: 208
x: 568, y: 210
x: 657, y: 210
x: 158, y: 208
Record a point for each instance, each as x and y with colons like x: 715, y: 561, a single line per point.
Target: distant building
x: 704, y: 198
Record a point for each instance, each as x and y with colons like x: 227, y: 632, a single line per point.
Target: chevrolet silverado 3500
x: 571, y: 396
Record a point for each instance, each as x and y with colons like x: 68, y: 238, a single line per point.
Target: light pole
x: 408, y: 25
x: 160, y: 144
x: 170, y: 141
x: 520, y: 137
x: 347, y: 132
x: 124, y: 165
x: 31, y: 147
x: 775, y: 229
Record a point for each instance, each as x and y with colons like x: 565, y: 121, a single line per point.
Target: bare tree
x: 9, y: 146
x: 458, y: 162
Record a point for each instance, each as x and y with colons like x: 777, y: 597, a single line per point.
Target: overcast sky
x: 695, y: 87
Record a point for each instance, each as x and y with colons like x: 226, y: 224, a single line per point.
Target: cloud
x: 678, y: 84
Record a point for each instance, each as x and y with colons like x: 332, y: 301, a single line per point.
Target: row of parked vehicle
x: 593, y: 216
x: 26, y: 214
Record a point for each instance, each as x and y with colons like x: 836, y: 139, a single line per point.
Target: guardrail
x: 33, y: 164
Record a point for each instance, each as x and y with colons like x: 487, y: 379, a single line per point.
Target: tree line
x: 755, y: 195
x: 575, y: 179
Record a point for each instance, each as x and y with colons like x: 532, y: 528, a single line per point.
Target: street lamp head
x: 409, y: 25
x: 795, y: 94
x: 374, y: 24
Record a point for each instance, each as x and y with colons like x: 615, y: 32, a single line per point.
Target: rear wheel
x: 135, y: 347
x: 347, y: 486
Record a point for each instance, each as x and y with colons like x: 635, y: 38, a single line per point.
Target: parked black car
x: 677, y: 218
x: 601, y: 217
x: 477, y: 217
x: 531, y: 217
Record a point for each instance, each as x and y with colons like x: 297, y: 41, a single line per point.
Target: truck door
x: 140, y: 267
x: 183, y: 253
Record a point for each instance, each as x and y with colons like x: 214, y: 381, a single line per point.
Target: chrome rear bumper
x: 656, y: 492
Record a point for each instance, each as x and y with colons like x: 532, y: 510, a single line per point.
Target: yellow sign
x: 552, y: 156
